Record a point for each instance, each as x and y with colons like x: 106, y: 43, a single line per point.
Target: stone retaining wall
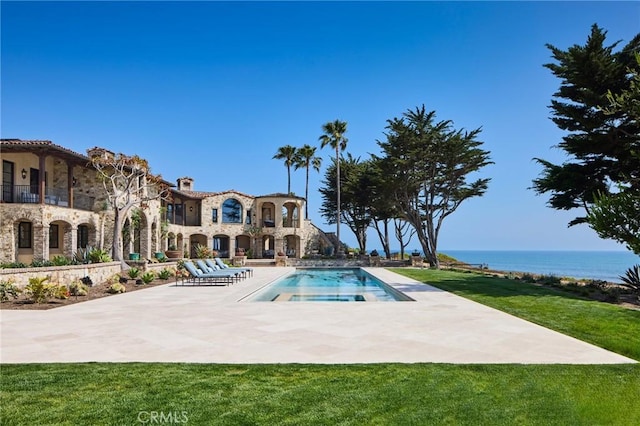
x: 98, y: 272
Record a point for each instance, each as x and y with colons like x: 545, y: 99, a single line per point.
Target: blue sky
x: 210, y: 90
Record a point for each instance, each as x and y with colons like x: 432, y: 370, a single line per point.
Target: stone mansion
x: 52, y: 204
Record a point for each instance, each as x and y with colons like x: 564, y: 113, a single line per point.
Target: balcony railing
x: 27, y: 194
x: 188, y: 221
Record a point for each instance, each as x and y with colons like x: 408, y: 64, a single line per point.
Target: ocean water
x: 600, y: 265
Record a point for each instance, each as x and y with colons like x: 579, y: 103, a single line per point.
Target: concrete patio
x: 211, y: 325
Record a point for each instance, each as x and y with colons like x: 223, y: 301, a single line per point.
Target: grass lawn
x: 608, y: 326
x: 380, y: 394
x: 377, y: 394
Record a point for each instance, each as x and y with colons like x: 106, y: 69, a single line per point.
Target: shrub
x: 202, y: 252
x: 631, y: 279
x: 165, y: 274
x: 600, y: 285
x: 97, y: 255
x: 82, y: 255
x: 8, y: 289
x: 59, y: 291
x: 39, y: 263
x: 612, y: 294
x: 549, y: 279
x: 116, y: 288
x: 60, y: 261
x: 528, y: 278
x: 147, y: 277
x: 76, y: 288
x: 38, y: 291
x: 11, y: 265
x: 133, y: 273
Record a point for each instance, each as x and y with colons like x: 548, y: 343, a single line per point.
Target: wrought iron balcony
x: 27, y: 194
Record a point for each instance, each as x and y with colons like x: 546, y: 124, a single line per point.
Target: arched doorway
x: 268, y: 213
x: 221, y: 245
x: 196, y: 240
x: 290, y: 215
x: 291, y: 245
x: 268, y: 246
x: 243, y: 242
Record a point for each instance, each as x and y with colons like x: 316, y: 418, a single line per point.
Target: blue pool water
x: 328, y: 285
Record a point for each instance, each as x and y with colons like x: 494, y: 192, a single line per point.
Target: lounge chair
x: 210, y: 270
x: 223, y: 266
x: 199, y: 277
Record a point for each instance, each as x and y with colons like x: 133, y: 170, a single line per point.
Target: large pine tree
x: 599, y: 144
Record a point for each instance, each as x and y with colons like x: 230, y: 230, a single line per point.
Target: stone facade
x: 262, y: 226
x: 53, y: 204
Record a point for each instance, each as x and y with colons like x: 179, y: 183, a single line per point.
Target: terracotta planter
x: 173, y: 254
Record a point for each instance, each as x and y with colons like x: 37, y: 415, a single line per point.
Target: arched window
x: 231, y: 211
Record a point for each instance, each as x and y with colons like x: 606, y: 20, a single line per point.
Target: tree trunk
x: 116, y: 248
x: 432, y: 253
x: 306, y: 196
x: 428, y: 244
x: 339, y: 251
x: 362, y: 240
x: 384, y: 236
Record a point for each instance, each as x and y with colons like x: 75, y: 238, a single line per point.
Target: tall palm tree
x: 288, y: 154
x: 334, y: 136
x: 305, y: 157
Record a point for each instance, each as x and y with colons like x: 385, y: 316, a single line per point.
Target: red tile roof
x: 19, y: 145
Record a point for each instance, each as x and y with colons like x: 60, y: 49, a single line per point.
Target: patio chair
x: 199, y: 277
x: 223, y: 266
x: 216, y: 270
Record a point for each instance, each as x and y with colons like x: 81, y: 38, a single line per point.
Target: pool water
x: 328, y: 285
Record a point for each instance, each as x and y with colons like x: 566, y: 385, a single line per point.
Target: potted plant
x: 134, y: 256
x: 172, y: 252
x: 281, y: 259
x: 374, y: 259
x: 416, y: 259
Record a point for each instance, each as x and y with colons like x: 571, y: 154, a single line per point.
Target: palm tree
x: 334, y: 135
x: 305, y: 157
x: 288, y: 154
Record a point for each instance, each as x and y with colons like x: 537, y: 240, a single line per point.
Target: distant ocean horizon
x: 597, y: 265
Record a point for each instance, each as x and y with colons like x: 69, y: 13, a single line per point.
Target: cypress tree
x: 600, y: 144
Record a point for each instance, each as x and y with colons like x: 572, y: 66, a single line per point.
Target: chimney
x: 103, y: 153
x: 185, y: 184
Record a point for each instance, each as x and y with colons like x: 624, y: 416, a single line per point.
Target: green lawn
x: 608, y: 326
x: 378, y: 394
x: 382, y: 394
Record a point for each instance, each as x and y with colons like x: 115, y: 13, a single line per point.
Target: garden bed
x: 97, y: 291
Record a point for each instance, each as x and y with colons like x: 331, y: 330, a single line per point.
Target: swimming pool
x: 328, y: 285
